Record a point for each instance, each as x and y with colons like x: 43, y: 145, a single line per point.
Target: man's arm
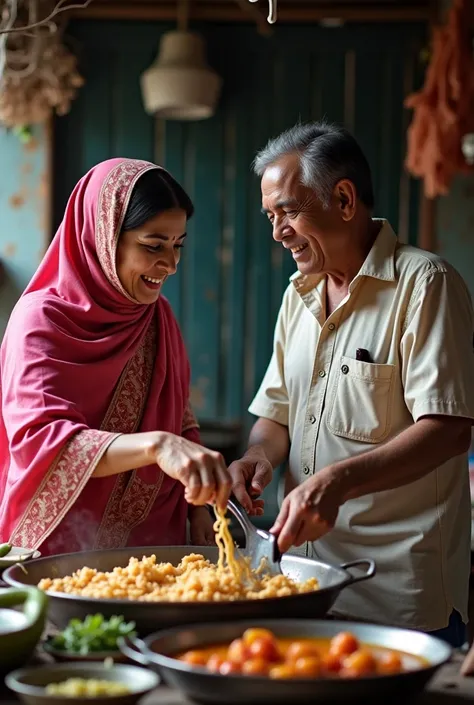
x: 437, y: 373
x: 270, y: 439
x: 269, y: 444
x: 417, y: 451
x: 310, y: 511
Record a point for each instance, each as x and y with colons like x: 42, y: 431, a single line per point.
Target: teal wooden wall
x: 24, y: 213
x: 455, y: 227
x: 232, y: 277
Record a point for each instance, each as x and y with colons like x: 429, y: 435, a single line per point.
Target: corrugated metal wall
x: 232, y: 277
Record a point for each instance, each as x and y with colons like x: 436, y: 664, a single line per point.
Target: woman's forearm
x: 202, y: 471
x: 127, y: 452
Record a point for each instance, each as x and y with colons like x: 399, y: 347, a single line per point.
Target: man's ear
x: 346, y: 197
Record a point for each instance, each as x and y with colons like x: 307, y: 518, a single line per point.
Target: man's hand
x: 250, y: 475
x: 201, y: 527
x: 309, y: 511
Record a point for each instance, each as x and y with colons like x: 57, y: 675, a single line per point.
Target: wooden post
x: 427, y: 227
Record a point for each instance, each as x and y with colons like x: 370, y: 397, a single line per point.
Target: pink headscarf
x: 73, y: 376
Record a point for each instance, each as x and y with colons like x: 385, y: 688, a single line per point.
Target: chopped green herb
x: 94, y: 634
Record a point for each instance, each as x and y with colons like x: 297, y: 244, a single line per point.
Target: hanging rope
x: 183, y: 15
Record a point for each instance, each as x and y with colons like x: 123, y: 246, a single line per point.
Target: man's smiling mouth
x: 299, y: 248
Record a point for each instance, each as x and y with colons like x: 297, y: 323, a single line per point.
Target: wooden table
x: 447, y: 688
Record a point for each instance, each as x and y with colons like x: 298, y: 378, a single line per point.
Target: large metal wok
x: 152, y: 616
x: 157, y: 652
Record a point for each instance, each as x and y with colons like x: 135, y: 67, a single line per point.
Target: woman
x: 98, y: 444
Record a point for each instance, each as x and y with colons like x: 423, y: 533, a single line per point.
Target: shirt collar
x: 379, y: 263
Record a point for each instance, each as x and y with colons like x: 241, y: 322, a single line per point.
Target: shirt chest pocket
x: 360, y: 401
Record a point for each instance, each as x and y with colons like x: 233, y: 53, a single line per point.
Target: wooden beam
x: 231, y: 13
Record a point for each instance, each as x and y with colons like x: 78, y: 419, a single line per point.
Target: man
x: 369, y: 394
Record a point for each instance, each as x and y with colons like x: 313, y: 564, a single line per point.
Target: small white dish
x: 18, y: 555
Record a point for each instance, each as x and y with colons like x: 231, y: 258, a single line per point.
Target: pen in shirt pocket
x: 363, y: 355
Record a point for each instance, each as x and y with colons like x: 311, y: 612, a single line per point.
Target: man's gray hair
x: 327, y: 153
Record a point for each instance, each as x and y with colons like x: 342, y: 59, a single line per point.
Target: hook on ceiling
x: 272, y: 11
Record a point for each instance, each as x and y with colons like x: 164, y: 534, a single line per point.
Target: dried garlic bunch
x: 52, y: 86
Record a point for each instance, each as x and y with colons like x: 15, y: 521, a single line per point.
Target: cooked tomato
x: 228, y: 667
x: 360, y: 663
x: 308, y: 667
x: 283, y: 671
x: 343, y: 644
x: 300, y: 649
x: 389, y: 663
x: 266, y: 649
x: 195, y: 658
x: 255, y: 667
x: 251, y: 635
x: 331, y: 663
x: 214, y: 663
x: 237, y: 651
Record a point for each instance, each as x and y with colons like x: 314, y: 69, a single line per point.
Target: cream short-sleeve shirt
x: 412, y: 312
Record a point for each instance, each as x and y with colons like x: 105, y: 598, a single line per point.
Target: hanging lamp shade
x: 180, y: 85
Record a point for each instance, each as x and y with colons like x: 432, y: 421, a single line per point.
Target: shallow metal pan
x: 156, y: 651
x: 151, y: 616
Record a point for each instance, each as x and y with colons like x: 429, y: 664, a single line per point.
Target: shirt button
x: 306, y: 470
x: 331, y: 326
x: 344, y: 369
x: 312, y: 419
x: 322, y: 373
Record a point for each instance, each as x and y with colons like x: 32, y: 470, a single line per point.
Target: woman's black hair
x: 155, y: 192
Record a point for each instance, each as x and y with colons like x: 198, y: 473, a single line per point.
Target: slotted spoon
x: 259, y: 545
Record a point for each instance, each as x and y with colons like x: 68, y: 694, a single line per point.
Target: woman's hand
x: 203, y: 472
x: 309, y: 511
x: 201, y: 527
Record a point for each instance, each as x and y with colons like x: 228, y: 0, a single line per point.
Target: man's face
x: 309, y: 231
